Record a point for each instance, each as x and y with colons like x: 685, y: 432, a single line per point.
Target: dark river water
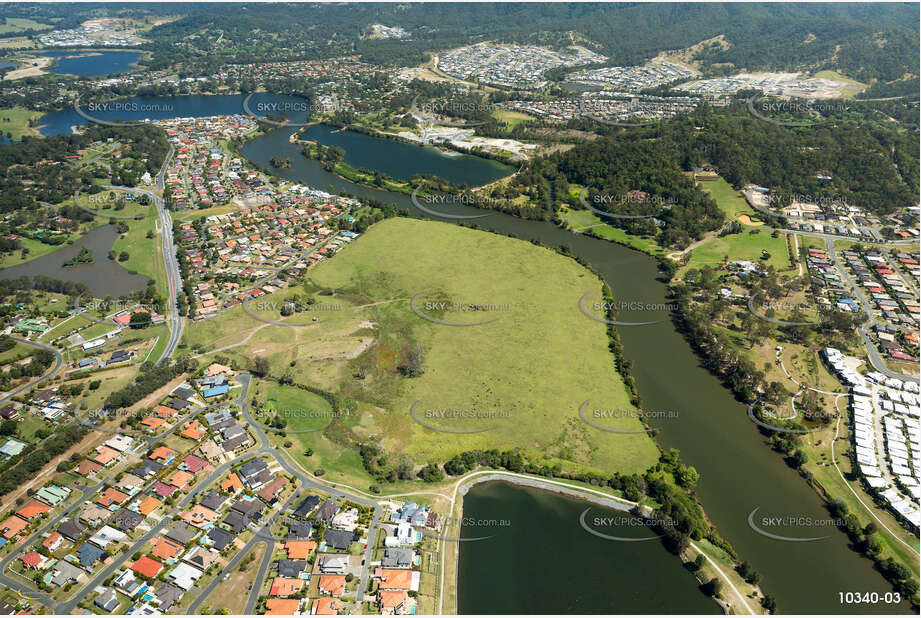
x: 104, y: 277
x: 539, y: 560
x: 700, y: 418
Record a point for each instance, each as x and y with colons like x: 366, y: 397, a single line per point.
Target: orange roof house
x: 53, y: 541
x: 148, y: 505
x: 199, y: 516
x: 391, y: 599
x: 12, y: 527
x: 105, y: 455
x: 147, y: 566
x: 193, y: 431
x: 152, y: 422
x: 164, y: 549
x: 162, y: 454
x: 325, y: 607
x: 394, y: 579
x: 333, y: 585
x: 299, y: 550
x: 87, y: 467
x: 218, y: 369
x: 233, y: 484
x: 286, y: 586
x: 33, y: 509
x: 281, y: 607
x: 111, y: 496
x: 181, y: 479
x: 165, y: 412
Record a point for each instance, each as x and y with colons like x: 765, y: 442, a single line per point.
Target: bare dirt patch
x: 31, y: 67
x: 153, y: 398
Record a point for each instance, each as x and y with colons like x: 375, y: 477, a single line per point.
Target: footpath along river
x: 693, y: 413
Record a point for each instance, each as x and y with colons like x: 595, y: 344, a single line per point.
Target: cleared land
x: 532, y: 386
x: 730, y: 201
x: 498, y: 366
x: 19, y: 24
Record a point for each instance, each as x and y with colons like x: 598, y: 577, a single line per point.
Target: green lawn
x: 742, y: 246
x: 36, y: 249
x: 730, y: 201
x: 499, y: 367
x: 14, y: 121
x: 512, y: 119
x: 17, y: 352
x: 585, y: 221
x: 65, y: 326
x: 144, y: 254
x: 301, y: 409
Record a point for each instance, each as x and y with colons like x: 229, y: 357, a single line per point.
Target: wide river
x: 738, y: 472
x: 695, y: 414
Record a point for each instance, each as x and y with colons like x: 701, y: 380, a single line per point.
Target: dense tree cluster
x: 150, y: 377
x: 20, y: 469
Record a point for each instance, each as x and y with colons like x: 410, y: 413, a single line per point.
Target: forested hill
x: 864, y: 165
x: 868, y: 42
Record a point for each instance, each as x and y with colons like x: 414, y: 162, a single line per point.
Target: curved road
x: 264, y: 536
x: 58, y: 363
x: 872, y: 351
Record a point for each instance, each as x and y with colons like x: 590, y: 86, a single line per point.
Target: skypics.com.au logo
x: 788, y: 112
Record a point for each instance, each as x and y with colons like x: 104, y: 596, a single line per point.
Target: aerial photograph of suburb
x: 460, y: 308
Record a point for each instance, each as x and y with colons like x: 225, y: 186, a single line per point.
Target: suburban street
x: 58, y: 363
x: 263, y: 536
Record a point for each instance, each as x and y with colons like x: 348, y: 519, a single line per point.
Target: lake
x: 141, y: 108
x: 402, y: 161
x: 738, y: 472
x: 104, y: 277
x: 92, y: 63
x: 544, y: 562
x: 399, y: 160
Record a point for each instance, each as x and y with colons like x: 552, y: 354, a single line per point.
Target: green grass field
x: 18, y: 24
x: 730, y: 201
x: 144, y: 255
x: 533, y: 366
x: 36, y: 249
x: 512, y: 119
x: 14, y: 121
x: 742, y: 246
x: 17, y: 352
x: 301, y: 409
x: 584, y: 221
x: 537, y: 382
